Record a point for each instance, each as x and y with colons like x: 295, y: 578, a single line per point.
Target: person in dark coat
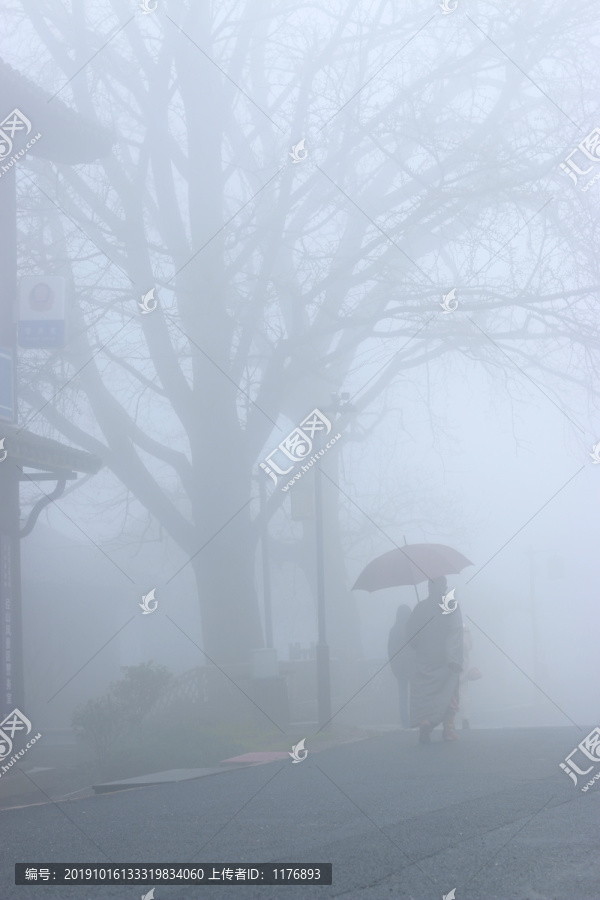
x: 400, y: 663
x: 437, y: 640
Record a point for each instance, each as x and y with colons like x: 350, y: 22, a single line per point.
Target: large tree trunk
x: 224, y: 573
x: 225, y: 533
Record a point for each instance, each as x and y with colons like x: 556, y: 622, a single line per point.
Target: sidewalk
x: 61, y: 767
x: 491, y: 816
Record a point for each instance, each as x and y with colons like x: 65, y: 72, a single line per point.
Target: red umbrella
x: 410, y: 564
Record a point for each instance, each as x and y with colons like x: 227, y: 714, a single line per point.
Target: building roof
x: 67, y: 136
x: 37, y: 452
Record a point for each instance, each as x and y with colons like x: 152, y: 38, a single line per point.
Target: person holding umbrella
x: 434, y: 630
x: 436, y: 637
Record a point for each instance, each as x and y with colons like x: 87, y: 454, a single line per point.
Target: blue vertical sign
x: 7, y: 387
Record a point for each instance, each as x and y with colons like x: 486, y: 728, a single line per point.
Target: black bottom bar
x: 173, y: 873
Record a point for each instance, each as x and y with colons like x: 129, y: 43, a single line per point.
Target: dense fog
x: 328, y: 279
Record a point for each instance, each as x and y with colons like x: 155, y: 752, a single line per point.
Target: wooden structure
x: 64, y: 137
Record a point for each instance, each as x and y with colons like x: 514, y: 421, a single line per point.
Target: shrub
x: 100, y: 721
x: 107, y: 722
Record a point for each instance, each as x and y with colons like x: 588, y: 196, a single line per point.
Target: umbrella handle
x: 416, y: 591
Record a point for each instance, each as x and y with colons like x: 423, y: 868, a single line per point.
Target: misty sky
x: 465, y: 448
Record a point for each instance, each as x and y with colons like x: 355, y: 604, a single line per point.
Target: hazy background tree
x: 280, y: 282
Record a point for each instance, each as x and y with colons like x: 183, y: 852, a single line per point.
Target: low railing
x: 211, y: 692
x: 230, y: 693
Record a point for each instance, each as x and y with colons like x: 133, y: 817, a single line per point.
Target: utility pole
x: 338, y: 404
x: 323, y: 670
x: 266, y: 566
x: 11, y: 673
x: 537, y: 662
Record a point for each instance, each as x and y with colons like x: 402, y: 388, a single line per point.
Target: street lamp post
x: 323, y: 670
x: 11, y: 674
x: 554, y: 564
x: 266, y: 566
x: 338, y: 404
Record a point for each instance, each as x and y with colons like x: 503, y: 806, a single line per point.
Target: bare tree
x: 281, y: 280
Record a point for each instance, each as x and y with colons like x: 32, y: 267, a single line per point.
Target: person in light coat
x: 437, y: 641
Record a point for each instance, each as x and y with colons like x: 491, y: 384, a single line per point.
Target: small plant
x: 107, y: 721
x: 139, y: 689
x: 100, y: 721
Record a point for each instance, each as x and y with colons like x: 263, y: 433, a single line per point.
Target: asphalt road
x: 492, y: 817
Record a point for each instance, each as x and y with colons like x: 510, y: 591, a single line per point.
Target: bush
x: 131, y: 738
x: 110, y: 721
x: 139, y: 689
x: 100, y: 722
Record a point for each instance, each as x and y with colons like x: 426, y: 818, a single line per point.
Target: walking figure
x: 437, y: 641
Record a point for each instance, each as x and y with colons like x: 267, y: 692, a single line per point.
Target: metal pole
x: 11, y: 651
x: 323, y: 672
x: 266, y: 568
x: 416, y: 590
x: 534, y: 626
x: 11, y: 639
x: 8, y: 257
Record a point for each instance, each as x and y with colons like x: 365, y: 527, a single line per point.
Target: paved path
x: 492, y: 817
